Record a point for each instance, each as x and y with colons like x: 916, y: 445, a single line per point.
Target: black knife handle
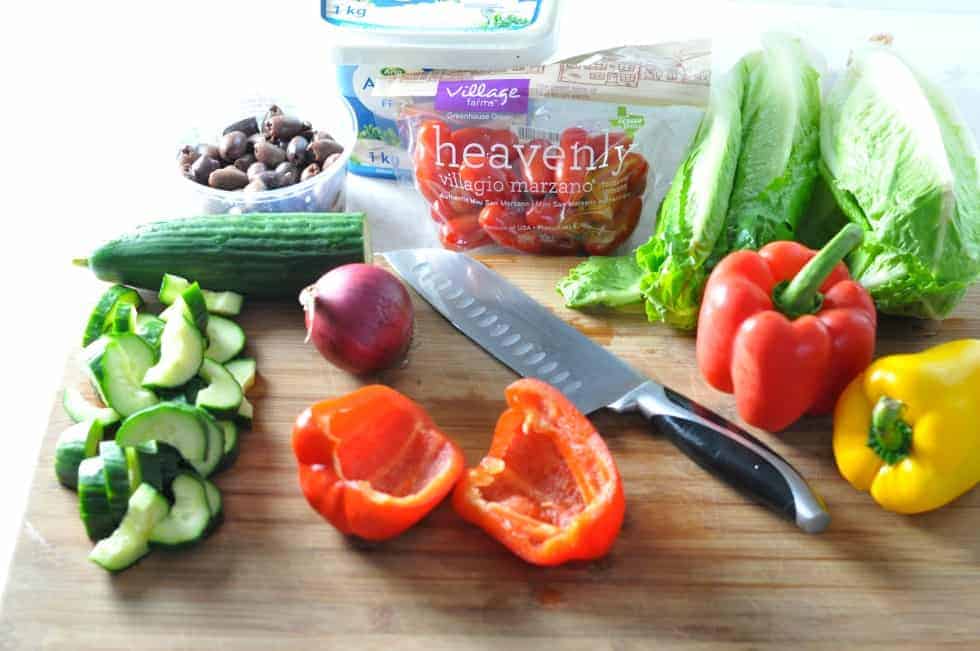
x: 734, y: 456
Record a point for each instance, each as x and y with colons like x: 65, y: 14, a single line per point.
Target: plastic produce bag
x: 564, y: 159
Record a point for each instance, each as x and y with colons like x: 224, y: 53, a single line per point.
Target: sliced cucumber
x: 118, y: 372
x: 225, y: 303
x: 150, y: 328
x: 225, y: 339
x: 223, y: 395
x: 116, y: 473
x: 130, y: 542
x: 230, y: 431
x: 77, y: 443
x: 215, y: 505
x: 189, y: 517
x: 103, y: 312
x: 197, y: 308
x: 243, y: 370
x: 216, y: 446
x: 181, y: 426
x: 79, y: 409
x: 181, y: 353
x: 152, y: 463
x: 123, y: 319
x: 93, y: 504
x: 245, y: 414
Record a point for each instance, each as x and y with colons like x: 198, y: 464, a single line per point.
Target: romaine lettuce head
x: 777, y: 164
x: 904, y: 166
x: 691, y: 219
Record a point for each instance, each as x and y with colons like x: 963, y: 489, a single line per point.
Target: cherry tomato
x: 463, y: 232
x: 508, y: 228
x: 442, y: 211
x: 575, y: 161
x: 540, y: 178
x: 508, y: 139
x: 618, y: 143
x: 604, y: 240
x: 433, y: 140
x: 547, y: 213
x: 429, y: 184
x: 483, y: 181
x: 471, y: 135
x: 637, y: 184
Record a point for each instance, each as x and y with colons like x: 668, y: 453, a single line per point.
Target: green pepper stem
x: 80, y: 262
x: 890, y: 436
x: 802, y: 294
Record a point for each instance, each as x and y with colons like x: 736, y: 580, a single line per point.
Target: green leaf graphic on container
x: 627, y: 122
x: 496, y: 21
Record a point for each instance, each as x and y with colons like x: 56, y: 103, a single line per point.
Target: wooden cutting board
x: 695, y: 564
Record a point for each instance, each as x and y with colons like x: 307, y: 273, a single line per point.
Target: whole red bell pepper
x: 548, y: 488
x: 785, y: 329
x: 372, y: 462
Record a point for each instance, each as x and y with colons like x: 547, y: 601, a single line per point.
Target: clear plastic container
x: 325, y: 192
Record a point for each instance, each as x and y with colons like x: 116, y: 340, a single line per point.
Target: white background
x: 94, y: 94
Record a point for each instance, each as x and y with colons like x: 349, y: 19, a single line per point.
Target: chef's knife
x: 532, y: 341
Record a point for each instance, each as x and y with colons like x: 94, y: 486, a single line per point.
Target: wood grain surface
x: 696, y: 565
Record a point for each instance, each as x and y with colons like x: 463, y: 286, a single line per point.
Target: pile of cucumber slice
x: 173, y: 388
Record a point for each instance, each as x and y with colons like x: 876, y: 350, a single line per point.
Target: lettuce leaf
x: 746, y: 181
x: 903, y: 165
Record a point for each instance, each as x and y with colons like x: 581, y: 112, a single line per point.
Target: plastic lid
x: 454, y: 34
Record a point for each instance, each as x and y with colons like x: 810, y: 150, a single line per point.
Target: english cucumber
x: 266, y: 255
x: 223, y: 394
x: 130, y: 541
x: 216, y: 446
x: 225, y: 339
x: 243, y: 370
x: 93, y: 503
x: 150, y: 329
x: 102, y: 314
x: 116, y: 474
x: 181, y: 426
x: 123, y: 319
x: 188, y: 519
x: 181, y: 353
x: 119, y: 370
x: 223, y: 303
x: 79, y: 409
x: 75, y: 444
x: 230, y: 431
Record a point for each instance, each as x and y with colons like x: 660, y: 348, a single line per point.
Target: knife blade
x: 525, y: 336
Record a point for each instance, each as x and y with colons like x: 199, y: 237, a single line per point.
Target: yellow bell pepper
x: 908, y: 428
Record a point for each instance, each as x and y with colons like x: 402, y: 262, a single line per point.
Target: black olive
x: 321, y: 149
x: 268, y: 153
x: 244, y: 162
x: 296, y: 150
x: 289, y: 178
x: 255, y: 185
x: 204, y: 149
x: 255, y: 169
x: 322, y: 135
x: 331, y: 159
x: 233, y: 146
x: 186, y: 157
x: 270, y: 179
x: 309, y: 171
x: 273, y: 111
x: 286, y: 166
x: 228, y: 178
x: 282, y: 127
x: 201, y: 168
x: 248, y: 126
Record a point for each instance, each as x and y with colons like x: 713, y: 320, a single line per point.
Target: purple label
x: 490, y: 95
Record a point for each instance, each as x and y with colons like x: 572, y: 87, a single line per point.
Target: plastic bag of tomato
x: 569, y: 158
x: 581, y: 193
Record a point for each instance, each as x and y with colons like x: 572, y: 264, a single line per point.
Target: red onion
x: 359, y: 317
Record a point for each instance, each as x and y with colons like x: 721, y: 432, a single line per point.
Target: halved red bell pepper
x: 548, y: 488
x: 372, y: 462
x: 785, y: 329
